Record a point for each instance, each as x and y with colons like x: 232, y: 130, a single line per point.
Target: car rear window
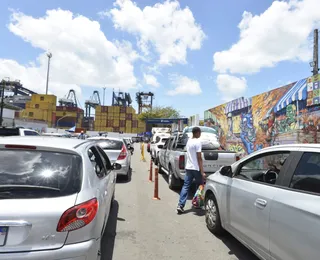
x: 111, y: 144
x: 9, y: 132
x: 59, y: 174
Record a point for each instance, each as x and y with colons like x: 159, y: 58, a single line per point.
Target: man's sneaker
x: 180, y: 209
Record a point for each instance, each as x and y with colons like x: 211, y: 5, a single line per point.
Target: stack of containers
x: 117, y: 119
x: 42, y: 108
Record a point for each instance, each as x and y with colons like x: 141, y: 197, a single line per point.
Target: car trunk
x: 112, y: 154
x: 112, y: 148
x: 30, y: 225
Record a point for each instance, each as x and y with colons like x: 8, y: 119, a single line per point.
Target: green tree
x: 159, y: 112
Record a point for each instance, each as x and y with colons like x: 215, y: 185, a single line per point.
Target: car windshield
x: 109, y: 144
x: 23, y: 172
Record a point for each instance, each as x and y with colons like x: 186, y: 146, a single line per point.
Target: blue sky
x: 193, y: 68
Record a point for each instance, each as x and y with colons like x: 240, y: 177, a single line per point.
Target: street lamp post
x: 60, y: 119
x: 2, y: 101
x: 49, y: 55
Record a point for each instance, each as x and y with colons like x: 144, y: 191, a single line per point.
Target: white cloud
x: 184, y: 86
x: 82, y: 55
x: 170, y: 30
x: 231, y: 87
x: 151, y: 80
x: 281, y: 33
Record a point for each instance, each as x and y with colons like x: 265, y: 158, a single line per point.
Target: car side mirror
x: 116, y: 166
x: 226, y: 171
x: 160, y: 146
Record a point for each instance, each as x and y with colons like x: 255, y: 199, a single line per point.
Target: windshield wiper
x: 26, y: 187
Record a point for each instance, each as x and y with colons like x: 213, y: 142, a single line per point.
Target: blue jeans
x: 188, y: 179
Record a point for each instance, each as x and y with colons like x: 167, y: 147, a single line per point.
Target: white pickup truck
x: 172, y: 156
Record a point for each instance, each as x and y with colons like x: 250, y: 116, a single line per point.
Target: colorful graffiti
x: 290, y: 114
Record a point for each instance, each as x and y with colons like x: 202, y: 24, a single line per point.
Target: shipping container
x: 134, y: 124
x: 109, y: 123
x: 122, y: 116
x: 128, y: 116
x: 128, y: 124
x: 123, y: 110
x: 116, y: 122
x: 122, y: 129
x: 128, y: 130
x: 122, y: 123
x: 116, y: 129
x: 116, y: 109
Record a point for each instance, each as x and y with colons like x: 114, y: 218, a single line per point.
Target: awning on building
x: 297, y: 92
x: 237, y: 104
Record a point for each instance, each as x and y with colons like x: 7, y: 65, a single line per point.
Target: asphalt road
x: 142, y: 228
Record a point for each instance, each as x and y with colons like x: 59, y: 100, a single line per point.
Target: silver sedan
x: 55, y: 196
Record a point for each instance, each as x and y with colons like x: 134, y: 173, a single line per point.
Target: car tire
x: 160, y: 168
x: 212, y: 215
x: 126, y: 177
x: 112, y: 199
x: 173, y: 182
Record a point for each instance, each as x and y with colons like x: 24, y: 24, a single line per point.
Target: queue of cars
x: 56, y: 194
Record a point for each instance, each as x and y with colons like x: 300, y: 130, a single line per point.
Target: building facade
x: 290, y: 114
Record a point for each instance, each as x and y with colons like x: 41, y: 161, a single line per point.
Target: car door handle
x: 260, y: 203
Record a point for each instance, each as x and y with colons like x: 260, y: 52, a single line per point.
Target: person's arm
x: 199, y: 157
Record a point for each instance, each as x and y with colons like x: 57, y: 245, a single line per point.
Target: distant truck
x: 17, y: 131
x: 172, y: 155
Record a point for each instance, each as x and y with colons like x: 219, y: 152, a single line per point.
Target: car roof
x: 39, y: 141
x: 104, y: 138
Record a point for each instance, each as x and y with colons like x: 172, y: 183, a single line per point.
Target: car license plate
x: 3, y: 235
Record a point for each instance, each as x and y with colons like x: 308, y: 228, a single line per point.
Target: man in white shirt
x: 194, y: 167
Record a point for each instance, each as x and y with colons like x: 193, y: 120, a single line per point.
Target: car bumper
x: 123, y: 171
x: 80, y: 251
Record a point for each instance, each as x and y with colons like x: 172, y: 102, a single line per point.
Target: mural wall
x: 290, y: 114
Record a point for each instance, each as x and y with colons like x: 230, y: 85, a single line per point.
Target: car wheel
x: 156, y: 161
x: 126, y: 177
x: 160, y: 168
x: 173, y: 182
x: 212, y: 215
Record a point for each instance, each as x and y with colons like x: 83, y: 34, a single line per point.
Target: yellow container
x: 116, y: 122
x: 128, y: 130
x: 128, y: 123
x: 122, y: 129
x: 122, y: 116
x: 116, y: 109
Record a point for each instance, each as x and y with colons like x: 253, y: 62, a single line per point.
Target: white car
x: 18, y: 131
x: 158, y: 142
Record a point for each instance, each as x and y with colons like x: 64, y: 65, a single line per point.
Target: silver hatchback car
x: 117, y: 151
x: 55, y: 196
x: 270, y: 201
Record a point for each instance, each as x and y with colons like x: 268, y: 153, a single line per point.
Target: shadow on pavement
x: 123, y: 179
x: 237, y: 249
x: 196, y: 212
x: 109, y: 236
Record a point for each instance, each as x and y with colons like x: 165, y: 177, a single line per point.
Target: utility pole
x: 104, y: 91
x: 315, y: 63
x: 3, y: 83
x: 49, y: 55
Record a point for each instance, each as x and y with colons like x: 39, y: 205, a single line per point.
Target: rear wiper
x: 26, y: 187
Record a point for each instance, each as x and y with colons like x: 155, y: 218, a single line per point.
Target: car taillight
x: 78, y: 216
x: 123, y: 153
x: 181, y: 162
x: 237, y: 158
